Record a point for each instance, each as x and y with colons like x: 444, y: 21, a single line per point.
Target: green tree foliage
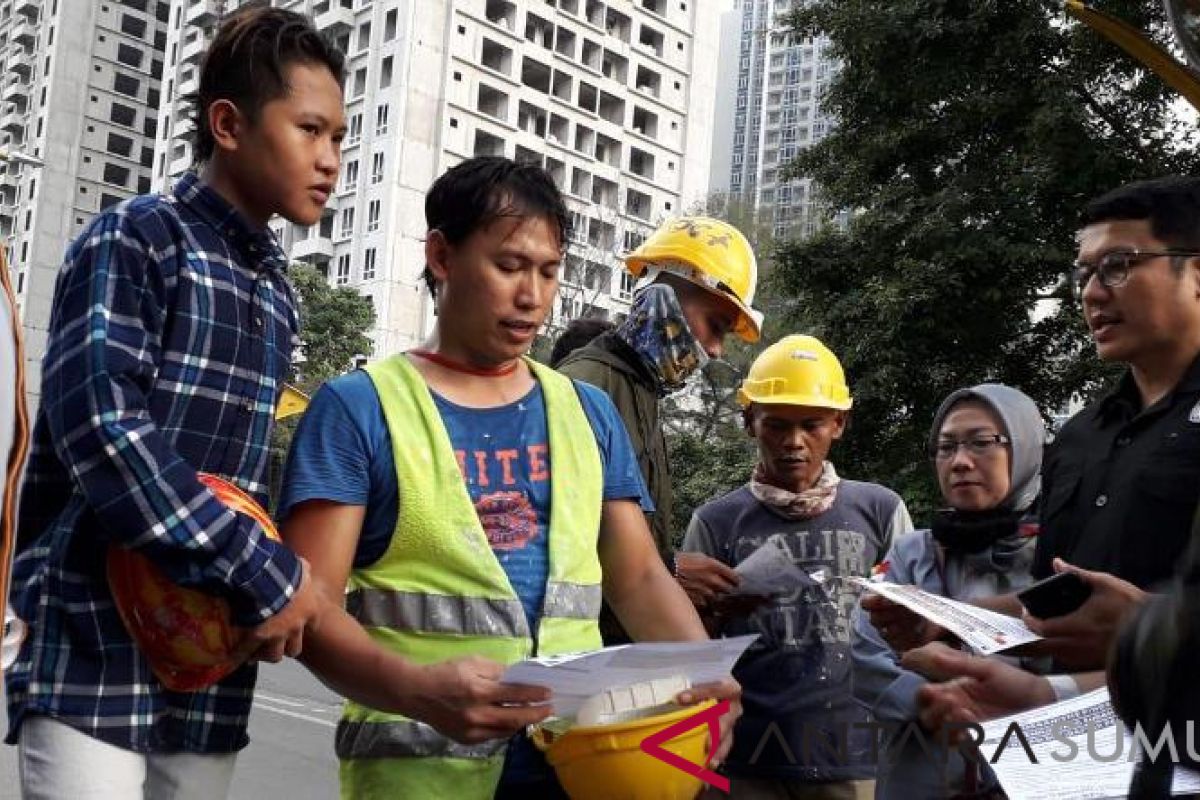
x: 333, y: 330
x: 970, y: 134
x: 333, y: 326
x: 705, y: 469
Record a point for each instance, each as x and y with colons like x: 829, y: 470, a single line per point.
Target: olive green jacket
x: 610, y: 364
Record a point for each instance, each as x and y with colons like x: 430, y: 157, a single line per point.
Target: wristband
x: 1063, y: 686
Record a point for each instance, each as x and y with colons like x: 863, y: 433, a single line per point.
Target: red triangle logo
x: 652, y: 745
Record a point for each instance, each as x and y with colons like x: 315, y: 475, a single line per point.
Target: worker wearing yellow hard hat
x: 796, y: 509
x: 696, y: 282
x: 797, y: 371
x: 709, y: 253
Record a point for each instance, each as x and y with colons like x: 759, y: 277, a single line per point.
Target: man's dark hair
x: 472, y: 195
x: 1171, y: 205
x: 247, y: 63
x: 578, y: 333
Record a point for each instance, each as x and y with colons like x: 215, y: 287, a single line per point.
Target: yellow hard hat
x: 606, y: 761
x: 710, y: 253
x: 797, y: 371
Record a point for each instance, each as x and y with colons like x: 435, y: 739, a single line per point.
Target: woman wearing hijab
x: 986, y: 443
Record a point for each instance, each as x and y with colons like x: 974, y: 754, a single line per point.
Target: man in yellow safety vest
x: 479, y: 505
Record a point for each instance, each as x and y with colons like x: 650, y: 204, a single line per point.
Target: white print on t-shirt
x: 811, y: 612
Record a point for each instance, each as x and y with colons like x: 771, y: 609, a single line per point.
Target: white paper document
x: 574, y: 678
x: 1073, y: 763
x: 770, y: 571
x: 984, y: 631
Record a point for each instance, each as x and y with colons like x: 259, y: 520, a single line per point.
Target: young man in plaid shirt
x: 172, y: 329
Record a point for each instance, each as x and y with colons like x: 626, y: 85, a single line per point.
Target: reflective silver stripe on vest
x: 437, y: 613
x: 572, y: 600
x: 405, y: 739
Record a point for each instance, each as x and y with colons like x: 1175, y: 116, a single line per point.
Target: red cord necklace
x: 458, y: 366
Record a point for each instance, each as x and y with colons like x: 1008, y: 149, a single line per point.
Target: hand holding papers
x: 985, y: 631
x: 574, y: 678
x: 770, y: 571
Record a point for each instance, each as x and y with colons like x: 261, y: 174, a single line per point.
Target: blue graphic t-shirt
x: 342, y: 452
x: 504, y: 456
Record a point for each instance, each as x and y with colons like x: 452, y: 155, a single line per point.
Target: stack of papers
x: 574, y: 678
x: 1073, y: 763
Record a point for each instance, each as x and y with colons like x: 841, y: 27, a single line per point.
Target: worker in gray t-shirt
x: 798, y: 728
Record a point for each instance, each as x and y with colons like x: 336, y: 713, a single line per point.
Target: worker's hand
x: 465, y: 700
x: 901, y: 628
x: 1081, y: 640
x: 727, y: 689
x: 704, y: 578
x: 973, y: 689
x: 283, y: 634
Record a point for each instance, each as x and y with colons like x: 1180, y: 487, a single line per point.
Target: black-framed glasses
x: 980, y: 445
x: 1113, y: 268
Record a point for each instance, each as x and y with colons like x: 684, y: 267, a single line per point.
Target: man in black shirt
x: 1121, y: 482
x: 1120, y: 487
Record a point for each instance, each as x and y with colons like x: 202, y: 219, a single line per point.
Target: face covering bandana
x: 657, y: 331
x: 797, y: 505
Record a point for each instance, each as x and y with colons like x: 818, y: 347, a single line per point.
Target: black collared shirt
x: 1120, y: 484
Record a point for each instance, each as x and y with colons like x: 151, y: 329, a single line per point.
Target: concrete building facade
x: 79, y: 90
x: 774, y: 92
x: 615, y: 98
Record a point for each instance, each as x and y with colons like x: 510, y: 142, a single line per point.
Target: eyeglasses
x: 1113, y: 268
x: 980, y: 446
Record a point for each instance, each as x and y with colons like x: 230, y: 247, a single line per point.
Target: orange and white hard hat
x: 710, y: 253
x: 186, y: 635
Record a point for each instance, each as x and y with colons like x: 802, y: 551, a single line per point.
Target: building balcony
x: 202, y: 12
x: 185, y: 126
x: 17, y: 50
x: 17, y: 93
x: 502, y: 13
x: 8, y: 187
x: 188, y: 86
x: 17, y: 62
x: 193, y: 51
x: 336, y: 21
x: 28, y: 8
x: 23, y: 32
x: 314, y: 250
x: 12, y: 120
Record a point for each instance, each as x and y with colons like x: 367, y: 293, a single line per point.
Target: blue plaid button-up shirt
x: 172, y: 329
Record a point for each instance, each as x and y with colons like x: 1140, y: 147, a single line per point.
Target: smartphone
x: 1055, y: 596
